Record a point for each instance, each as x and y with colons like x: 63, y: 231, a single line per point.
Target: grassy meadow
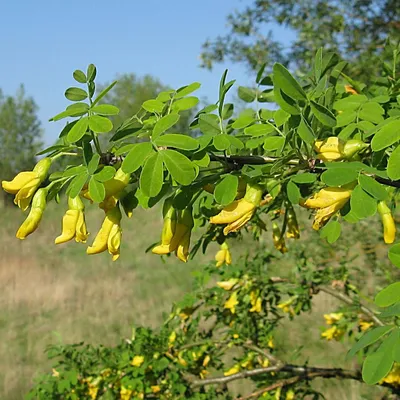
x: 52, y: 293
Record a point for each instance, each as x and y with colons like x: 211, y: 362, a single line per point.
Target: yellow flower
x: 172, y: 338
x: 109, y: 236
x: 125, y: 393
x: 238, y: 213
x: 92, y: 391
x: 234, y: 370
x: 25, y: 184
x: 364, y: 325
x: 181, y: 360
x: 389, y: 226
x: 332, y: 318
x: 206, y: 360
x: 335, y: 149
x: 350, y: 89
x: 223, y: 255
x: 229, y: 284
x: 270, y: 343
x: 74, y: 225
x: 137, y: 361
x: 332, y: 333
x: 255, y: 301
x: 292, y: 229
x: 155, y: 389
x: 235, y: 336
x: 286, y: 305
x: 231, y: 303
x: 289, y: 395
x: 278, y: 239
x: 169, y: 227
x: 176, y: 235
x: 55, y: 373
x: 35, y: 215
x: 327, y: 202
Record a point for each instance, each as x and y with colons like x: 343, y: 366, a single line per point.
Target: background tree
x: 20, y: 133
x: 355, y: 29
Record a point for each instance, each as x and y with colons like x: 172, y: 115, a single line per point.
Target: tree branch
x: 348, y: 300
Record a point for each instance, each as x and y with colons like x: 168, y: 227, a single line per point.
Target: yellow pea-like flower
x: 109, y: 236
x: 229, y: 284
x: 25, y: 184
x: 292, y: 228
x: 125, y: 393
x: 239, y: 212
x: 234, y: 370
x: 177, y: 234
x: 350, y: 89
x: 335, y: 149
x: 333, y: 318
x: 389, y: 226
x: 223, y: 255
x: 333, y: 333
x: 169, y: 227
x: 278, y: 239
x: 364, y: 325
x: 155, y: 389
x: 35, y: 215
x: 137, y: 361
x: 231, y: 303
x: 327, y: 202
x: 73, y: 224
x: 256, y: 302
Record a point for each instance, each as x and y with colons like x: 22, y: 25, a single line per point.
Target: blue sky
x: 44, y: 41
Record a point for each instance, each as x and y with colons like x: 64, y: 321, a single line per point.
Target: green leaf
x: 185, y: 104
x: 105, y: 109
x: 305, y: 132
x: 179, y: 166
x: 152, y: 176
x: 293, y: 192
x: 226, y: 190
x: 323, y: 114
x: 331, y: 231
x: 306, y: 177
x: 347, y: 131
x: 227, y: 111
x: 209, y: 124
x: 274, y: 143
x: 254, y: 143
x: 376, y: 366
x: 246, y: 94
x: 285, y: 81
x: 72, y: 171
x: 243, y: 121
x: 75, y: 94
x: 185, y: 90
x: 78, y: 130
x: 91, y: 72
x: 372, y: 112
x: 235, y: 142
x: 153, y: 106
x: 372, y: 187
x: 96, y: 190
x: 221, y: 142
x: 394, y: 254
x: 164, y: 123
x: 93, y: 163
x: 136, y: 157
x: 100, y: 124
x: 77, y: 184
x: 389, y: 295
x: 129, y: 128
x: 391, y: 311
x: 352, y: 102
x: 362, y: 204
x: 103, y: 93
x: 178, y: 141
x: 74, y: 110
x: 332, y: 177
x: 79, y: 76
x: 368, y: 338
x: 386, y: 136
x: 393, y: 168
x: 318, y: 64
x: 105, y: 174
x: 285, y: 102
x: 259, y: 129
x: 280, y: 117
x: 345, y: 118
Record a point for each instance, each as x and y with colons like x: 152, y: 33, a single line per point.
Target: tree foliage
x: 332, y: 147
x: 355, y: 30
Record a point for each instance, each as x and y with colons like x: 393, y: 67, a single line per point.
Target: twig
x: 264, y: 353
x: 348, y: 300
